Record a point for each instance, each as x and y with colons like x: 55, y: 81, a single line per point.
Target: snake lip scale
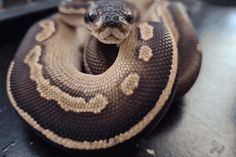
x: 129, y: 78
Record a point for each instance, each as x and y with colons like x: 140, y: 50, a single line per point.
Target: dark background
x: 202, y: 125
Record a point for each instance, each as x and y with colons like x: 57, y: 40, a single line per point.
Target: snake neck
x: 99, y: 57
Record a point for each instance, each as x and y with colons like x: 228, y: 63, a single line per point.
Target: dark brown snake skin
x: 130, y: 90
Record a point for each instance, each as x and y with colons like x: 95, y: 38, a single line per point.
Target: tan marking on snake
x: 48, y: 30
x: 199, y: 47
x: 145, y: 53
x: 102, y: 143
x: 66, y: 102
x: 72, y: 10
x: 130, y: 83
x: 161, y: 12
x: 169, y: 21
x: 146, y: 31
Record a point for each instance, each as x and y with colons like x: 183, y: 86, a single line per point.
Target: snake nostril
x: 116, y: 19
x: 112, y: 21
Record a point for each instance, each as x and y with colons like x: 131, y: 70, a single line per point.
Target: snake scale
x: 99, y: 74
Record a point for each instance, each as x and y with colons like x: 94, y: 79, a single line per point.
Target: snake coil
x: 125, y: 91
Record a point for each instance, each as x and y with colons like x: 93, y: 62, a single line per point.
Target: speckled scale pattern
x: 111, y: 11
x: 107, y: 6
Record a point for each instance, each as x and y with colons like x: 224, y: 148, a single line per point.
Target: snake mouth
x: 111, y: 35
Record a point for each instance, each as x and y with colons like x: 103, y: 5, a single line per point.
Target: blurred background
x: 202, y: 124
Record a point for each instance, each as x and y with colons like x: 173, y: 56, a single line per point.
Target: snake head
x: 110, y: 21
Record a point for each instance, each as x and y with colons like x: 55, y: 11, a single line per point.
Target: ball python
x: 101, y: 74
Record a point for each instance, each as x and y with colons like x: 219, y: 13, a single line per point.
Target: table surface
x: 203, y: 124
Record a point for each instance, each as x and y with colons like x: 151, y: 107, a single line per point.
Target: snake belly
x: 91, y: 112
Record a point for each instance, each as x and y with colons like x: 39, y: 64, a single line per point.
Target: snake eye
x: 129, y: 18
x: 90, y: 17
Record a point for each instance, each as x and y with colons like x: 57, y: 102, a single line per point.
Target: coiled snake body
x: 124, y: 89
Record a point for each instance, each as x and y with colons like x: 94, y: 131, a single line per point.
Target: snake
x: 99, y: 75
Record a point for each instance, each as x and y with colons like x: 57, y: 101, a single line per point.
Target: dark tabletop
x: 203, y: 124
